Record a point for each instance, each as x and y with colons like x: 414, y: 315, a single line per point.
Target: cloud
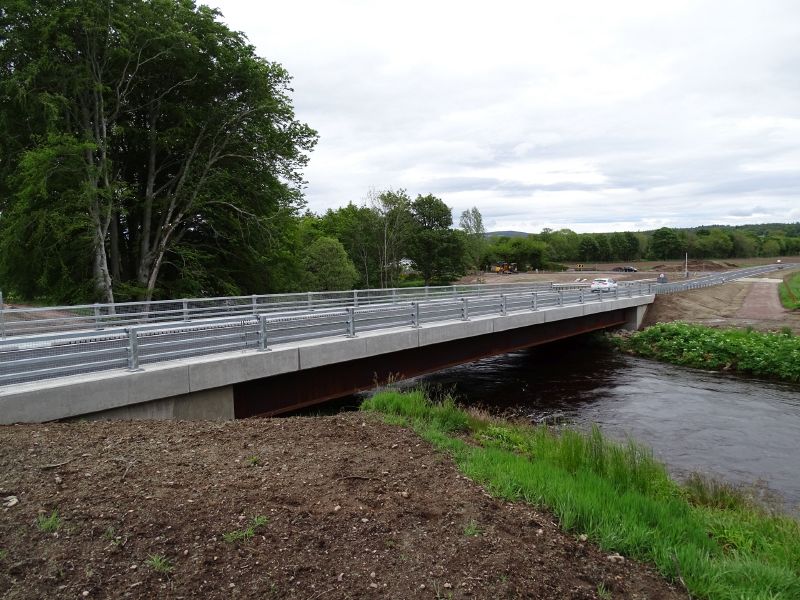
x: 592, y: 116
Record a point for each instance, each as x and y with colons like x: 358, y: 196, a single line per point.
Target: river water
x: 741, y: 430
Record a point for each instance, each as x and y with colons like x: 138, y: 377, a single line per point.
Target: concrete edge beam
x: 82, y: 394
x: 516, y: 320
x: 235, y: 367
x: 316, y: 353
x: 446, y: 331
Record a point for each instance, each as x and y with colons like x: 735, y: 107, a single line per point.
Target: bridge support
x: 635, y: 317
x: 206, y: 405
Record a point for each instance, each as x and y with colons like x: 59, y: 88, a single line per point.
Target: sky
x: 593, y: 116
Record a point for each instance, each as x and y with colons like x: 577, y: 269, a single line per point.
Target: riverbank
x: 763, y: 354
x: 317, y: 507
x: 706, y: 536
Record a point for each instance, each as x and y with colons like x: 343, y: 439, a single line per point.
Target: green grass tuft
x: 160, y: 564
x: 721, y: 545
x: 48, y: 524
x: 247, y: 533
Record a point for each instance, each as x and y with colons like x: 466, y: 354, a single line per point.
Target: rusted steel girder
x: 291, y: 391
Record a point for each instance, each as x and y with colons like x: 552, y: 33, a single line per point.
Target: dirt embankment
x: 355, y: 509
x: 745, y: 303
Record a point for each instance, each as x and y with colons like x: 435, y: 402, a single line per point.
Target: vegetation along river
x: 741, y: 430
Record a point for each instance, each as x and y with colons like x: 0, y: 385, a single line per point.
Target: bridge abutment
x: 206, y: 405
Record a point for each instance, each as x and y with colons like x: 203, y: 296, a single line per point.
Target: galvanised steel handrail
x: 51, y: 319
x: 46, y: 356
x: 32, y: 358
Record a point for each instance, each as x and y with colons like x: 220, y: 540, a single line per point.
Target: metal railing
x: 25, y: 359
x: 158, y: 336
x: 86, y: 317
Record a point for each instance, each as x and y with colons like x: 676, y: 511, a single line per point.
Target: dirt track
x: 744, y: 303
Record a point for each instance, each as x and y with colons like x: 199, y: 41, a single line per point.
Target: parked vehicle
x: 603, y: 284
x: 625, y: 269
x: 661, y: 278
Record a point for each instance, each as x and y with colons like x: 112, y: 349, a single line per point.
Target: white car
x: 603, y: 284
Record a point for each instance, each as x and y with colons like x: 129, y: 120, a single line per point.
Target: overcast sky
x: 596, y: 116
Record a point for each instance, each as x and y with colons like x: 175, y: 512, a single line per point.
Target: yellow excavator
x: 505, y: 268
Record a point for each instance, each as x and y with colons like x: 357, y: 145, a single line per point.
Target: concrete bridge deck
x: 293, y: 374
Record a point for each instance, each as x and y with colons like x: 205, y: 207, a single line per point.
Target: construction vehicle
x: 505, y: 268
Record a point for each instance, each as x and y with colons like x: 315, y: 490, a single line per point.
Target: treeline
x: 720, y: 242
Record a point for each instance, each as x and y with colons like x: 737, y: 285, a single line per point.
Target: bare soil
x: 743, y: 303
x: 356, y: 509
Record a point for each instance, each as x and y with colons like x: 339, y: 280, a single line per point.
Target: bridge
x: 229, y: 358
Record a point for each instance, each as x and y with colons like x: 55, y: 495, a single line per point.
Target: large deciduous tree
x: 173, y: 142
x: 435, y: 249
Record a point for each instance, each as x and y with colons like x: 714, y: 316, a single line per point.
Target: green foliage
x: 775, y: 355
x: 247, y: 533
x: 471, y: 223
x: 154, y: 150
x: 665, y: 244
x: 718, y: 544
x: 435, y: 249
x: 48, y: 523
x: 160, y: 564
x: 327, y: 266
x: 789, y: 291
x: 527, y: 252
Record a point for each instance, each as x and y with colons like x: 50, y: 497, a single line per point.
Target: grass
x: 253, y: 461
x: 773, y: 355
x: 48, y: 524
x: 719, y: 545
x: 160, y: 564
x: 471, y: 529
x: 789, y: 291
x: 3, y: 554
x: 245, y: 534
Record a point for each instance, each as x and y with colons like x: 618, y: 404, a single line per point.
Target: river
x: 741, y: 430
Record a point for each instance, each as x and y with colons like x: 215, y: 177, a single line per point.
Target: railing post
x: 133, y: 349
x: 97, y: 317
x: 580, y: 295
x: 394, y: 295
x: 262, y: 333
x: 308, y: 300
x: 616, y: 293
x: 535, y: 301
x: 426, y: 292
x: 2, y: 317
x: 185, y: 310
x: 503, y: 305
x: 415, y: 315
x: 561, y: 297
x: 355, y: 297
x: 464, y: 309
x: 255, y: 304
x: 351, y: 322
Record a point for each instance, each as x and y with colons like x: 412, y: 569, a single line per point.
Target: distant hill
x: 506, y: 234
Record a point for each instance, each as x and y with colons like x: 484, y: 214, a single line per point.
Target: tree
x: 394, y: 222
x: 665, y: 244
x: 187, y: 139
x: 471, y: 222
x: 358, y: 229
x: 434, y: 248
x: 588, y: 249
x: 327, y: 266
